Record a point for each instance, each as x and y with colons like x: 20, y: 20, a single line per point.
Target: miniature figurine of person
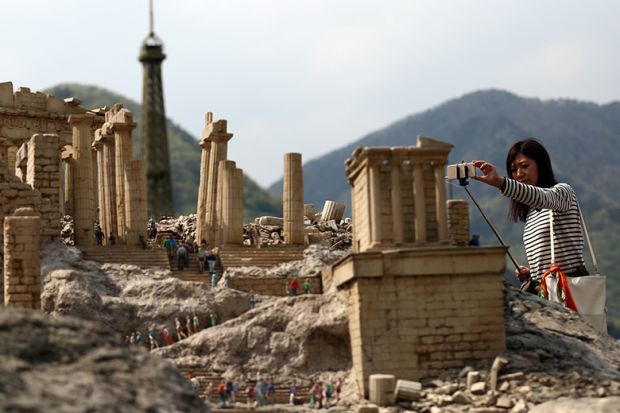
x: 196, y: 323
x: 251, y: 299
x: 307, y: 286
x: 189, y: 326
x: 213, y: 320
x: 153, y: 340
x: 179, y: 328
x: 294, y: 285
x: 167, y: 336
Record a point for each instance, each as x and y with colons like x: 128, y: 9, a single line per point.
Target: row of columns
x: 419, y: 201
x: 219, y: 209
x: 220, y: 192
x: 120, y: 179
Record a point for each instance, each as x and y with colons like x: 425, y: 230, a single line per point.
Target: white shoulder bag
x: 588, y: 291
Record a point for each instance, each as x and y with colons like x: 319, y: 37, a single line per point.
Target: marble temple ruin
x: 417, y: 302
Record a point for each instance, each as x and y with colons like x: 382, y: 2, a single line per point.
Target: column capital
x: 123, y: 127
x: 103, y: 137
x: 205, y: 144
x: 220, y: 137
x: 85, y: 119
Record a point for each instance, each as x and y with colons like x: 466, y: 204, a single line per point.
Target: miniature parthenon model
x: 40, y: 136
x: 417, y: 305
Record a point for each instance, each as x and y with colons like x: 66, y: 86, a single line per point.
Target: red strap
x: 570, y: 302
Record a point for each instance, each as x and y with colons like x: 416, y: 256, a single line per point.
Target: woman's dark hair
x: 533, y: 149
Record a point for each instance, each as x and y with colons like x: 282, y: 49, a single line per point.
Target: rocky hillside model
x: 62, y: 364
x: 551, y: 353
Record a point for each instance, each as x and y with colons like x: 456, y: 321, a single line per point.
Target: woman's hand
x: 523, y: 273
x: 490, y: 175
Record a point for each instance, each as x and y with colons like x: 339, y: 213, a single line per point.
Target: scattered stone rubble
x: 332, y: 233
x: 66, y: 230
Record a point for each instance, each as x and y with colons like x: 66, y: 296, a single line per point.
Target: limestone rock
x: 65, y: 364
x: 570, y: 405
x: 478, y: 388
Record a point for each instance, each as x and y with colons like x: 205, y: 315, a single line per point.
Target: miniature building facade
x: 417, y: 304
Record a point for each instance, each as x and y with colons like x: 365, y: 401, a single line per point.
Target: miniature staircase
x: 280, y: 396
x: 123, y: 254
x: 243, y: 256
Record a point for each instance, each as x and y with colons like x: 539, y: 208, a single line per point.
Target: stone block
x: 478, y: 388
x: 6, y: 95
x: 381, y: 389
x: 407, y: 390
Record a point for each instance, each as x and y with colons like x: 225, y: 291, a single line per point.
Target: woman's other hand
x: 523, y: 273
x: 490, y: 175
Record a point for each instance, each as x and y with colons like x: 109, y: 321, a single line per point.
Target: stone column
x: 376, y: 224
x: 219, y: 149
x: 440, y: 200
x: 22, y: 259
x: 236, y: 222
x: 332, y: 210
x: 83, y: 191
x: 123, y: 155
x: 135, y: 202
x: 225, y: 194
x: 201, y: 206
x: 218, y: 223
x: 102, y: 217
x: 397, y: 204
x: 96, y: 182
x: 67, y: 158
x: 293, y: 198
x: 42, y: 166
x: 11, y: 156
x: 419, y: 202
x: 458, y: 221
x: 109, y: 185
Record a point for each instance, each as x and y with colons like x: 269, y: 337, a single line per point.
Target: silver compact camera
x: 461, y: 171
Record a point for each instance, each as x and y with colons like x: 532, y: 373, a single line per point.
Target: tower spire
x: 155, y: 154
x: 151, y: 25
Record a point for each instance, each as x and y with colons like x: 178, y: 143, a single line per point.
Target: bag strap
x: 551, y: 237
x: 585, y: 231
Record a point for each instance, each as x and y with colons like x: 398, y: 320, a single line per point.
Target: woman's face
x: 524, y: 169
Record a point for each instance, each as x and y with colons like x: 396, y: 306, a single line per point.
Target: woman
x: 534, y: 194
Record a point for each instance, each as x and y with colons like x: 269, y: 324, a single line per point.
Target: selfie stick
x: 463, y: 182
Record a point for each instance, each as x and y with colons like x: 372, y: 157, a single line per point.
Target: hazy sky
x: 311, y: 76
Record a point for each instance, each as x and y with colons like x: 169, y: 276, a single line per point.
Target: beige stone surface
x: 218, y: 135
x: 458, y: 221
x: 201, y: 206
x: 293, y: 199
x: 22, y: 259
x: 398, y: 195
x: 381, y: 389
x: 120, y: 121
x: 24, y: 113
x: 84, y: 208
x: 135, y: 203
x: 43, y: 165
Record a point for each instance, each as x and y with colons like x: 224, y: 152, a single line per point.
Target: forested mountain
x: 583, y: 140
x: 184, y: 154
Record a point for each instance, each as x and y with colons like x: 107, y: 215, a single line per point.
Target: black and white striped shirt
x: 568, y: 238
